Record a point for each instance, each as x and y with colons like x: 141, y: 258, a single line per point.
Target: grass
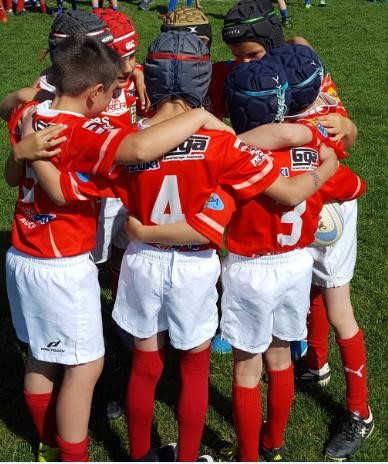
x: 351, y: 37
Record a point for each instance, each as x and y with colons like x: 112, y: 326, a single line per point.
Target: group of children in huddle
x: 191, y: 187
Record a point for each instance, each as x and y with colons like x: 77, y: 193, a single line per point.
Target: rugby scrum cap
x: 304, y: 72
x: 253, y: 21
x: 78, y: 22
x: 190, y: 19
x: 178, y: 65
x: 125, y: 37
x: 256, y: 93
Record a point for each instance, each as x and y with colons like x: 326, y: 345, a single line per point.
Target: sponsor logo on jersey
x: 103, y: 121
x: 94, y: 126
x: 82, y: 176
x: 303, y: 159
x: 318, y: 126
x: 214, y: 202
x: 285, y: 172
x: 258, y: 157
x: 43, y: 218
x: 53, y: 347
x: 151, y: 165
x: 191, y: 149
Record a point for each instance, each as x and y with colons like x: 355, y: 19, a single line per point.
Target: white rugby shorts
x: 55, y: 307
x: 172, y: 291
x: 110, y: 229
x: 334, y: 265
x: 264, y: 297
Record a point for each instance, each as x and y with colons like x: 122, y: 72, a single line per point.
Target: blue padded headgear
x: 304, y: 74
x: 256, y: 93
x: 178, y: 65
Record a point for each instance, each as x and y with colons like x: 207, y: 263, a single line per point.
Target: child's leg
x: 73, y: 409
x: 318, y: 331
x: 147, y: 367
x: 350, y: 340
x: 247, y: 403
x: 193, y: 400
x: 280, y: 392
x: 171, y: 6
x: 41, y: 401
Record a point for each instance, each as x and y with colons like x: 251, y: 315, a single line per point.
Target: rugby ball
x: 330, y: 225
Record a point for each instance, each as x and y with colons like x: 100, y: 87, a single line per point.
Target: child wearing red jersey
x: 51, y: 282
x: 184, y: 300
x: 266, y: 279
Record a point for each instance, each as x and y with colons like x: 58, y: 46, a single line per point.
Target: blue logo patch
x: 214, y: 202
x: 322, y: 130
x: 82, y: 176
x: 43, y: 218
x: 284, y: 172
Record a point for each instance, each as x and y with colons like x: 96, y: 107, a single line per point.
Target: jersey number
x: 167, y: 208
x: 292, y: 217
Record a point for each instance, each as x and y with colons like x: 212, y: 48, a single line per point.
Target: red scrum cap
x: 125, y: 37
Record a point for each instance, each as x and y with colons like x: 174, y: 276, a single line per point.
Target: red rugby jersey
x: 261, y: 226
x: 41, y: 228
x: 166, y: 190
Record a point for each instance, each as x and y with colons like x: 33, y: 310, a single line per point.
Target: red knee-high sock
x: 353, y: 355
x: 247, y: 421
x: 193, y: 402
x: 20, y: 6
x: 73, y: 452
x: 279, y: 400
x: 42, y: 410
x: 318, y: 328
x: 146, y: 370
x: 8, y: 4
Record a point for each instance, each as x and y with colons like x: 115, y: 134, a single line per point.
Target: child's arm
x: 155, y: 141
x: 179, y: 233
x: 275, y: 136
x: 20, y: 96
x: 38, y: 145
x: 291, y: 191
x: 138, y: 78
x: 339, y: 127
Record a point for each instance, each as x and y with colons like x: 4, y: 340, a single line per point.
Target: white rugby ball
x: 330, y: 225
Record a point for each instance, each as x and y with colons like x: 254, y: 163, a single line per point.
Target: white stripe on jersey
x: 103, y: 149
x: 213, y: 224
x: 256, y: 177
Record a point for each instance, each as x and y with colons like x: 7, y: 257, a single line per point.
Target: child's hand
x: 134, y: 227
x: 337, y: 126
x: 213, y: 123
x: 138, y: 78
x: 39, y: 145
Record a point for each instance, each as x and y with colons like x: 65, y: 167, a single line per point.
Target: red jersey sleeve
x: 320, y: 135
x: 248, y: 170
x: 212, y: 220
x: 216, y: 101
x: 16, y: 121
x: 92, y: 149
x: 76, y: 186
x: 345, y: 185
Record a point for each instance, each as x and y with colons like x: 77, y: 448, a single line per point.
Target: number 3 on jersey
x: 292, y: 217
x: 167, y: 208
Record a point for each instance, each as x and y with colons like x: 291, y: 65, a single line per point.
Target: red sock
x: 43, y: 6
x: 318, y: 331
x: 279, y: 400
x: 247, y: 421
x: 353, y: 355
x: 193, y: 402
x: 42, y: 410
x: 20, y: 6
x: 73, y: 452
x: 146, y: 370
x: 8, y: 4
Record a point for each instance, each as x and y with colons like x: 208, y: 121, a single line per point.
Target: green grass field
x: 351, y: 37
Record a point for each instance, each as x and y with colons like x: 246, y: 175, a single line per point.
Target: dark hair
x: 80, y: 62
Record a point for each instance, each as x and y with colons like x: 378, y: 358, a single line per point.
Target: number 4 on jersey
x: 167, y: 208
